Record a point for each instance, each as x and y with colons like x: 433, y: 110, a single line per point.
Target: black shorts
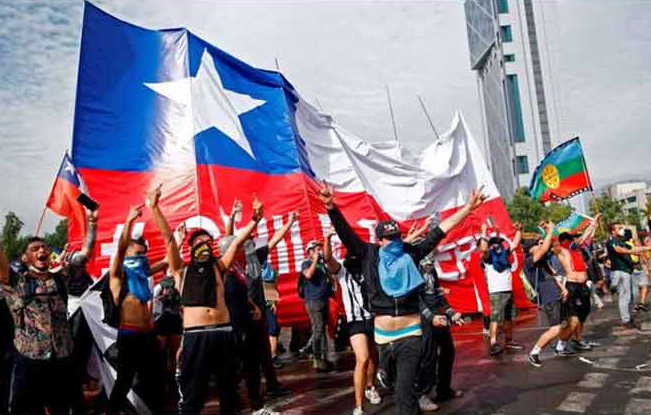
x: 168, y: 325
x: 556, y: 313
x: 578, y: 300
x: 361, y: 327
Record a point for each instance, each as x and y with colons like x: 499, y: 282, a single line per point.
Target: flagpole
x: 429, y: 119
x: 40, y: 221
x: 393, y: 118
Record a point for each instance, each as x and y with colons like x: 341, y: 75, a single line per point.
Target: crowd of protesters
x: 211, y: 323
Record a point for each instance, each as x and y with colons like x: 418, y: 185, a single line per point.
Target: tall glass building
x: 504, y: 41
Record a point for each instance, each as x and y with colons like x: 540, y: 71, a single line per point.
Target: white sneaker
x: 426, y: 404
x: 358, y: 411
x: 265, y: 411
x: 373, y: 396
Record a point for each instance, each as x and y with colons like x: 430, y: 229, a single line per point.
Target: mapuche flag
x: 561, y: 174
x: 575, y: 223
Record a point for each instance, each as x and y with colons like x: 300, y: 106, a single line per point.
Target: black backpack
x: 111, y: 310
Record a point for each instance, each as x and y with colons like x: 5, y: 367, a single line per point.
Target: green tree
x: 14, y: 244
x: 58, y: 238
x: 557, y: 212
x: 530, y: 213
x: 612, y: 211
x: 523, y: 209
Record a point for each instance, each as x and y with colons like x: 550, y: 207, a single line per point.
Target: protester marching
x: 212, y: 211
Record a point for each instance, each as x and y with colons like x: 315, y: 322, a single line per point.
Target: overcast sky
x: 342, y: 53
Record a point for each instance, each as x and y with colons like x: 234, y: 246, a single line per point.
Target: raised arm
x: 331, y: 263
x: 116, y: 274
x: 474, y: 201
x: 235, y: 211
x: 483, y: 241
x: 415, y: 232
x: 173, y: 257
x: 351, y: 241
x: 280, y: 233
x: 91, y: 235
x: 590, y: 230
x: 539, y: 252
x: 309, y: 271
x: 224, y: 263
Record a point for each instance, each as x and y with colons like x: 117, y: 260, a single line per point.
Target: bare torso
x: 134, y: 313
x: 391, y: 323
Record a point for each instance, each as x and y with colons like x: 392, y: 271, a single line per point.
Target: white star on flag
x: 69, y: 167
x: 207, y: 103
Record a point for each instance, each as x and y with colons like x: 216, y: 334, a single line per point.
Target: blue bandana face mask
x: 498, y: 257
x: 136, y: 269
x: 398, y: 272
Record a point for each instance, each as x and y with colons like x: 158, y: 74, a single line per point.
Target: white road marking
x: 638, y: 407
x: 593, y: 380
x: 643, y: 385
x: 576, y: 402
x: 607, y: 362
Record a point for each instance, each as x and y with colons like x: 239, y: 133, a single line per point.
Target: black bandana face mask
x: 202, y: 253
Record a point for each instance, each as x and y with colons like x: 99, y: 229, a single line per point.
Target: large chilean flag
x: 164, y: 106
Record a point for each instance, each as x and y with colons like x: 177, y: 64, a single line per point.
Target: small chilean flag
x: 67, y: 189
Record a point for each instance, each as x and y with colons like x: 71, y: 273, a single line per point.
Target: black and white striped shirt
x: 355, y: 303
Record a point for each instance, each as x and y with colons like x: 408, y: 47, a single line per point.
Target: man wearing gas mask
x: 209, y: 341
x: 498, y: 265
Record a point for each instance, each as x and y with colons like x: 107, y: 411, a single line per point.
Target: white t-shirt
x: 498, y: 282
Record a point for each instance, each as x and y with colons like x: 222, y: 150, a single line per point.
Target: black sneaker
x: 565, y: 352
x: 495, y: 349
x: 581, y: 346
x: 534, y: 359
x: 643, y: 307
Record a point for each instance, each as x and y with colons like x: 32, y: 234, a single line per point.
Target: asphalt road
x: 606, y: 382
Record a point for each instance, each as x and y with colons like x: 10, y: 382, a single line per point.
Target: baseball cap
x: 313, y: 244
x: 386, y: 229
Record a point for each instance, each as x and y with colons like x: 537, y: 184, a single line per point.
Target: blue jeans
x: 625, y: 292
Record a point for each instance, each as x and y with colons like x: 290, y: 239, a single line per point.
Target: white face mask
x: 621, y: 232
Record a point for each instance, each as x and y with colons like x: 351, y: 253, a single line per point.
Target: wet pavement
x: 602, y: 381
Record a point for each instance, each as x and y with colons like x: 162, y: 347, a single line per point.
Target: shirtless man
x: 138, y: 350
x: 576, y: 272
x: 208, y: 344
x: 396, y: 292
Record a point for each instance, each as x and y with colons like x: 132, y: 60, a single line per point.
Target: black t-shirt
x: 199, y: 288
x: 618, y: 262
x: 254, y: 282
x: 237, y: 301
